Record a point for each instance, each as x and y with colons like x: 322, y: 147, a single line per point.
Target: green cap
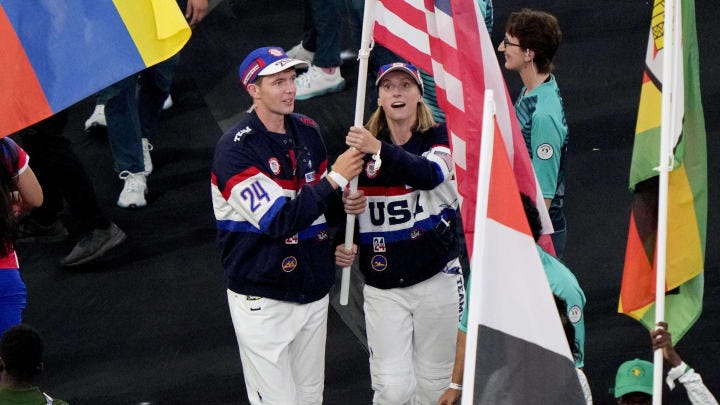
x: 634, y: 376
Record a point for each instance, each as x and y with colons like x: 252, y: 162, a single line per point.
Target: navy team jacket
x: 269, y: 197
x: 407, y: 231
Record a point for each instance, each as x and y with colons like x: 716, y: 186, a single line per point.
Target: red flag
x: 448, y: 38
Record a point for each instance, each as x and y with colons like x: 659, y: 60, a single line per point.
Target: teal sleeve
x: 546, y: 144
x: 564, y: 285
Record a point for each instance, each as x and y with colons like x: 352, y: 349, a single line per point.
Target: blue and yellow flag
x: 55, y: 53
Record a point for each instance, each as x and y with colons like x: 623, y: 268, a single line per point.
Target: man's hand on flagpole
x: 362, y: 140
x: 348, y: 164
x: 355, y: 202
x: 345, y: 257
x: 661, y: 339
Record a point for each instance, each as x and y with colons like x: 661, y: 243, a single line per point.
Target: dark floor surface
x: 149, y: 323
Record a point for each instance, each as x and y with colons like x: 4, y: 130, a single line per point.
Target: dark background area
x: 148, y: 323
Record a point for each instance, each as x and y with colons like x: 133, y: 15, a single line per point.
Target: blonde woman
x: 408, y: 249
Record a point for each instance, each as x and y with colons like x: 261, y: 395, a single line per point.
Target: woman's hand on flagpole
x: 345, y: 257
x: 661, y: 339
x: 362, y: 140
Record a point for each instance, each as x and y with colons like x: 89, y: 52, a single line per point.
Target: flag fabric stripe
x: 412, y: 14
x: 74, y: 48
x: 20, y: 88
x: 411, y: 50
x: 409, y: 41
x: 54, y: 37
x: 444, y: 23
x: 685, y: 303
x: 454, y: 95
x: 546, y: 377
x: 687, y: 184
x: 155, y: 38
x: 644, y: 276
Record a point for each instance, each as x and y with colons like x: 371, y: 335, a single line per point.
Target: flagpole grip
x: 363, y: 56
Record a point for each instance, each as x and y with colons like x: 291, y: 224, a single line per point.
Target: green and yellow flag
x: 687, y: 200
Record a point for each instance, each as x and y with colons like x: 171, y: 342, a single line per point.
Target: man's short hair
x: 538, y: 31
x: 21, y: 350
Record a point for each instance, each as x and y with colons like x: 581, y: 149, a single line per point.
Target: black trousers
x: 61, y: 175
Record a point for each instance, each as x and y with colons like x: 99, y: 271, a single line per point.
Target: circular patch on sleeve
x: 575, y: 314
x: 545, y: 151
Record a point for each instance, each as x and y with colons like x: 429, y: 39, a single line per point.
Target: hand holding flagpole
x: 363, y: 56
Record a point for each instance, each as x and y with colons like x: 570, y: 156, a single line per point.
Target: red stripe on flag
x: 408, y: 13
x: 440, y: 47
x: 645, y: 77
x: 466, y: 124
x: 638, y: 281
x: 401, y: 47
x: 505, y: 205
x: 23, y: 99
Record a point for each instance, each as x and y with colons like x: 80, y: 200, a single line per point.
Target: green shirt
x: 28, y: 396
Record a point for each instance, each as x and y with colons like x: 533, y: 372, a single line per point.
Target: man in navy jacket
x: 271, y: 192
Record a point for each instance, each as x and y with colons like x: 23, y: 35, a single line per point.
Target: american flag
x: 448, y: 39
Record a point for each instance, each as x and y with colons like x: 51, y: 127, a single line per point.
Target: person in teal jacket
x: 531, y: 40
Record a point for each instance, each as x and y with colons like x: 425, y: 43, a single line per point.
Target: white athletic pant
x: 282, y: 348
x: 411, y: 335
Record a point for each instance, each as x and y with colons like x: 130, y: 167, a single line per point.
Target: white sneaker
x: 134, y: 190
x: 315, y: 83
x: 168, y: 103
x: 147, y: 161
x: 97, y: 118
x: 299, y: 52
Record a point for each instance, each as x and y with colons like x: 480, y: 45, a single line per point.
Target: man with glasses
x: 531, y: 40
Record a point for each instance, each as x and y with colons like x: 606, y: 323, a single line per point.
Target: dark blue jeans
x: 322, y: 31
x: 132, y: 108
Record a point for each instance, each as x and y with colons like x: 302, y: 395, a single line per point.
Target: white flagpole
x: 666, y: 164
x: 481, y: 207
x: 363, y: 56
